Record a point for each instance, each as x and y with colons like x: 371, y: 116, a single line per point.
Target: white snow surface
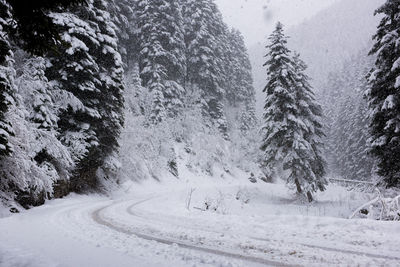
x: 151, y: 224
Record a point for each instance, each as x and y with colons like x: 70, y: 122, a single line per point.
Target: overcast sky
x: 256, y: 18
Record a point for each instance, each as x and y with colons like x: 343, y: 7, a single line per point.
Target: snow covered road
x: 155, y: 228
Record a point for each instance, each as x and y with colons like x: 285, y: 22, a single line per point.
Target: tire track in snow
x: 352, y: 252
x: 130, y: 210
x: 98, y: 218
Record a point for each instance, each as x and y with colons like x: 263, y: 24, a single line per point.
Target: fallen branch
x: 364, y: 206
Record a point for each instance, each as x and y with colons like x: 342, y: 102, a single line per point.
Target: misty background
x: 325, y: 33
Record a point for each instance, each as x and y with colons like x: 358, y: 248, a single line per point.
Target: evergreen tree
x: 357, y: 163
x: 33, y: 29
x: 27, y: 24
x: 248, y: 117
x: 384, y: 94
x: 206, y: 40
x: 162, y: 57
x: 240, y: 91
x: 240, y: 81
x: 90, y: 69
x: 291, y: 120
x: 124, y: 17
x: 346, y: 112
x: 39, y: 151
x: 40, y: 100
x: 309, y: 112
x: 6, y: 79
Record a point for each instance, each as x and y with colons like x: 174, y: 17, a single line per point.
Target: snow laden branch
x: 387, y: 208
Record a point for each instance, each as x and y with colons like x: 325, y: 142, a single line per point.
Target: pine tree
x: 358, y: 164
x: 346, y: 113
x: 6, y: 79
x: 309, y: 112
x: 206, y: 40
x: 40, y: 99
x: 27, y: 24
x: 162, y: 57
x: 124, y: 17
x: 33, y: 29
x: 240, y: 81
x: 291, y: 120
x: 41, y: 159
x: 91, y: 70
x: 279, y: 101
x: 384, y: 94
x: 240, y: 91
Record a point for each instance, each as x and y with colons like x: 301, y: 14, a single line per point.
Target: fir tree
x: 162, y: 57
x: 240, y: 81
x: 384, y: 94
x: 90, y: 68
x: 291, y: 120
x: 309, y: 112
x: 33, y: 29
x: 6, y: 79
x: 347, y: 143
x: 205, y: 38
x: 28, y: 25
x: 124, y: 17
x: 40, y: 100
x: 240, y: 91
x: 48, y: 158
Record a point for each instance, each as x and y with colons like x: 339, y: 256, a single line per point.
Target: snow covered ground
x: 245, y: 225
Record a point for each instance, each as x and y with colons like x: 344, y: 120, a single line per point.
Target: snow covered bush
x: 216, y: 204
x: 185, y: 141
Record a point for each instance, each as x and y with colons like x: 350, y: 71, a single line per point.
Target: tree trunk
x: 310, y: 197
x: 299, y: 190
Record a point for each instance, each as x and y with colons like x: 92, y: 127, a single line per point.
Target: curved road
x: 95, y: 231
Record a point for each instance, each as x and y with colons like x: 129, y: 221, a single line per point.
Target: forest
x: 110, y: 104
x: 164, y: 70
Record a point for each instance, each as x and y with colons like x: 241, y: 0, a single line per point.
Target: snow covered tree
x: 6, y: 79
x: 38, y: 96
x: 309, y: 112
x: 205, y: 34
x: 162, y: 57
x: 90, y: 68
x: 33, y: 29
x: 240, y: 82
x: 355, y: 161
x: 347, y: 146
x: 40, y: 163
x: 384, y: 94
x: 291, y: 120
x: 28, y: 25
x: 124, y: 18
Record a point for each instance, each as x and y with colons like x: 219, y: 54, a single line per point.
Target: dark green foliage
x: 384, y: 94
x: 206, y: 49
x: 292, y: 129
x: 27, y: 24
x: 35, y: 31
x: 6, y: 81
x: 92, y: 73
x: 162, y: 54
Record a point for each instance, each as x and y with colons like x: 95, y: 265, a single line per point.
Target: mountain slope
x: 325, y: 41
